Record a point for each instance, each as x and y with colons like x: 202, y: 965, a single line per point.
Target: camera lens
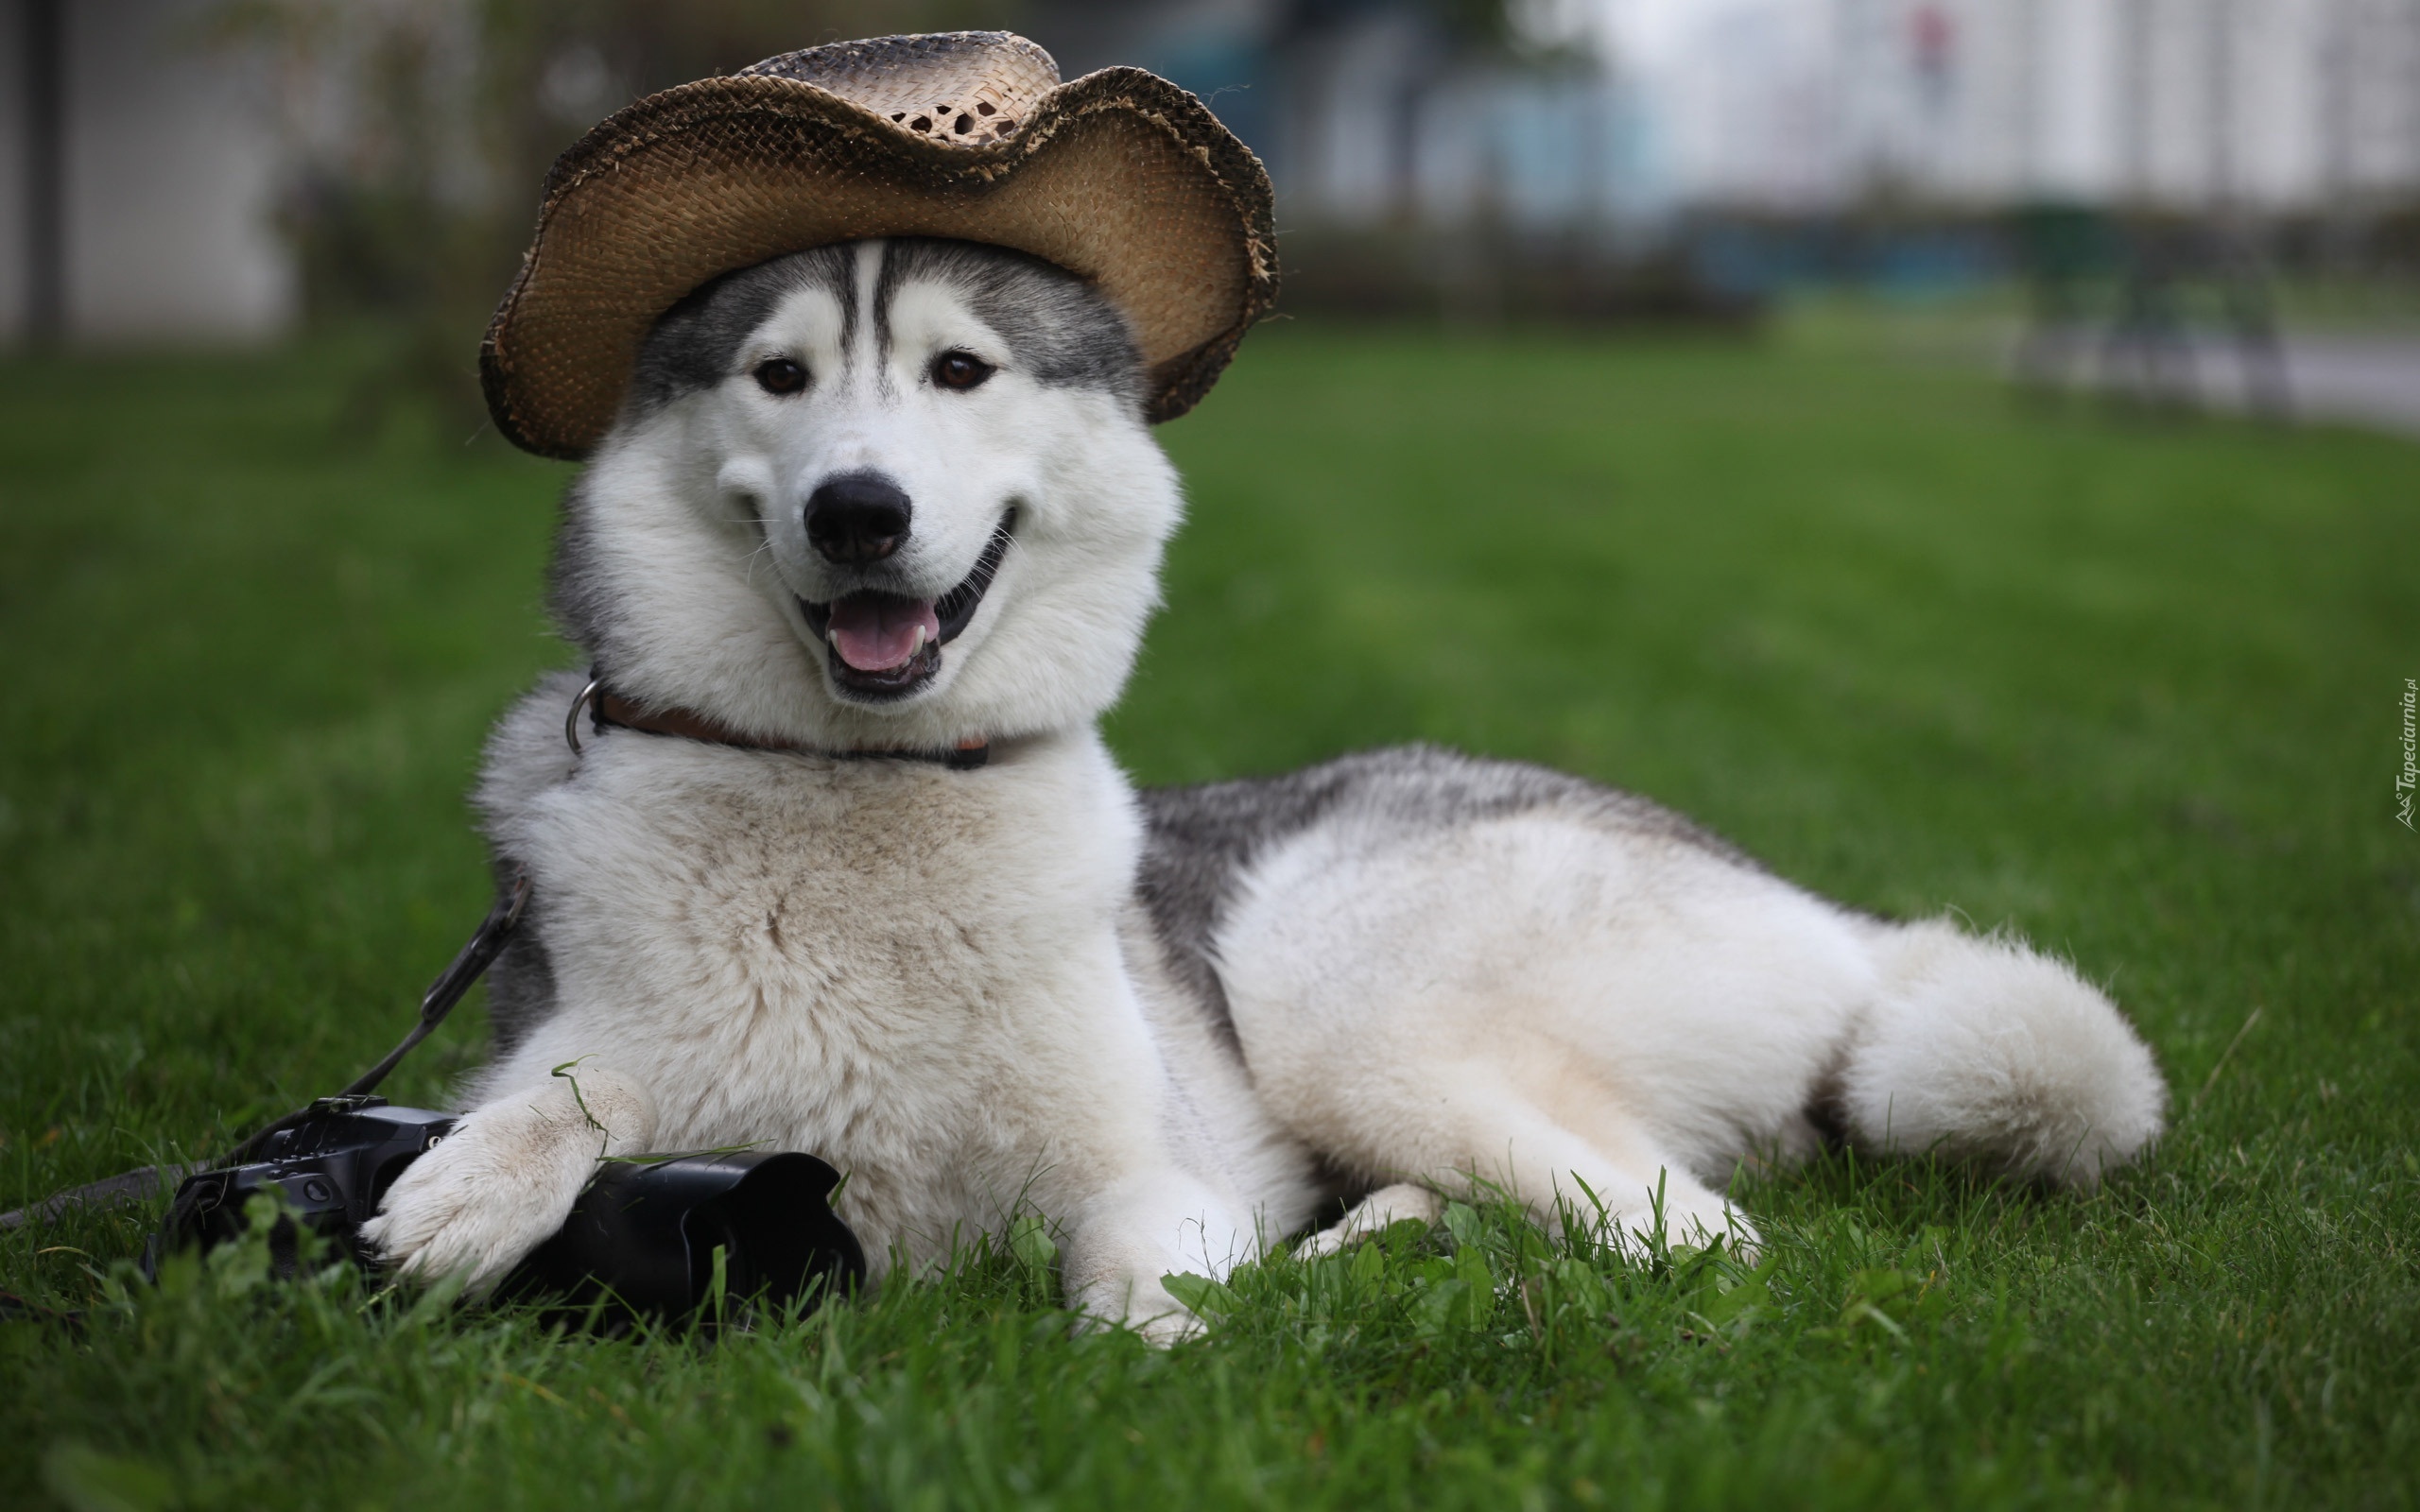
x: 709, y: 1229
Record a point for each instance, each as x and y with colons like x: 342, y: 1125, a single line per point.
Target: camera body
x: 669, y: 1237
x: 331, y: 1165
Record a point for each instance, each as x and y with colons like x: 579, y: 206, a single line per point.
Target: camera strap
x: 470, y: 963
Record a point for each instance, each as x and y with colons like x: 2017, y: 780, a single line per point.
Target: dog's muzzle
x: 882, y: 646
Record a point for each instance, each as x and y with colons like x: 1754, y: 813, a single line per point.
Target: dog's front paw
x: 1119, y: 1270
x: 471, y: 1209
x: 504, y: 1181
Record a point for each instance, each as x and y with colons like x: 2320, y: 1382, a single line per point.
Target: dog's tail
x: 1984, y: 1050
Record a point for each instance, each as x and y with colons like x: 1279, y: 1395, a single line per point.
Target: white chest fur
x: 912, y: 971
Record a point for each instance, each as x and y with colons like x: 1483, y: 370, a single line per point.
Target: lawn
x: 2133, y: 690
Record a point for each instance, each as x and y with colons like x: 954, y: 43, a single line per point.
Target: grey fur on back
x: 1203, y: 838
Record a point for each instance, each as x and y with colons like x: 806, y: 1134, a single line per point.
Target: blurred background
x: 2133, y: 185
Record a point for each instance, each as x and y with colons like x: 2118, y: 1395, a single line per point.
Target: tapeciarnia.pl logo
x: 2410, y: 777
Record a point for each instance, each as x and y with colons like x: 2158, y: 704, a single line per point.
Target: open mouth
x: 887, y: 646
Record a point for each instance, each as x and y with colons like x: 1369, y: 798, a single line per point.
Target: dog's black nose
x: 857, y: 517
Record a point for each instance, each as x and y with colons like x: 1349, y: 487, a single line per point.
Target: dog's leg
x: 1567, y: 1151
x: 1403, y: 1202
x: 505, y: 1180
x: 1611, y: 1181
x: 1128, y: 1238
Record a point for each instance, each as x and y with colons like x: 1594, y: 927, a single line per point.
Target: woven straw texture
x: 963, y: 87
x: 1120, y: 177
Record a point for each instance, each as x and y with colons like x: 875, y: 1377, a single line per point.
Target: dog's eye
x: 780, y: 376
x: 959, y: 369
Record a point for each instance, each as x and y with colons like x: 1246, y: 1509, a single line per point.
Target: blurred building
x: 1649, y: 157
x: 1375, y: 109
x: 2282, y: 106
x: 1389, y: 112
x: 139, y: 178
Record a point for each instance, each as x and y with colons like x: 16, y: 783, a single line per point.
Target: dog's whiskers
x: 764, y: 547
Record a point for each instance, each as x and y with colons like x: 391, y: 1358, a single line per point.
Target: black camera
x: 671, y: 1237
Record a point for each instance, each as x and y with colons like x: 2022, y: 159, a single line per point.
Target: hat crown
x: 1120, y: 177
x: 962, y: 88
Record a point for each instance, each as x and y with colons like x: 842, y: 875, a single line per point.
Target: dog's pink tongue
x: 875, y: 633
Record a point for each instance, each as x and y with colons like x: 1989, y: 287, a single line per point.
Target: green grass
x: 2132, y: 691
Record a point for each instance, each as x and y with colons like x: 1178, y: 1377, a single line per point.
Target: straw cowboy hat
x: 1120, y: 177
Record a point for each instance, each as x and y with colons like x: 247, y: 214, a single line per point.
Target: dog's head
x: 888, y: 493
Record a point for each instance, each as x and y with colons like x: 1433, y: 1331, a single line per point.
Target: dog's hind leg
x: 1570, y: 1011
x: 1400, y: 1202
x: 1488, y: 1132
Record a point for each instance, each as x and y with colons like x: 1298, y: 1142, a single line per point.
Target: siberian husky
x: 877, y: 503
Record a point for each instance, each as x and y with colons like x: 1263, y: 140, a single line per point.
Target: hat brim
x: 1120, y: 177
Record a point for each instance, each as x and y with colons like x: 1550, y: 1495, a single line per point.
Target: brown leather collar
x: 608, y: 709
